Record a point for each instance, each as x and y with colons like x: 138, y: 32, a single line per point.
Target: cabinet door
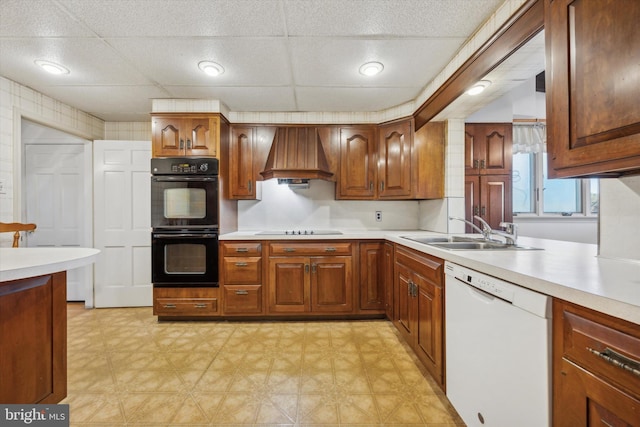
x: 404, y: 311
x: 388, y: 280
x: 289, y: 281
x: 167, y: 138
x: 583, y: 399
x: 429, y: 340
x: 358, y: 164
x: 372, y: 276
x: 471, y: 200
x: 394, y: 160
x: 592, y: 93
x: 331, y: 285
x: 488, y: 148
x: 199, y: 137
x: 241, y: 177
x: 495, y: 199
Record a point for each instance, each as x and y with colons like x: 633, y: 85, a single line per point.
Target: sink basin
x: 430, y: 240
x: 483, y: 246
x: 461, y: 243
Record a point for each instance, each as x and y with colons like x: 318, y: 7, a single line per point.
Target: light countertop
x: 570, y: 271
x: 20, y: 263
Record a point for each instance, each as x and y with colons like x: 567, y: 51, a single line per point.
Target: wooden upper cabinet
x: 593, y: 112
x: 391, y: 162
x: 180, y: 135
x: 488, y: 148
x: 241, y: 165
x: 358, y: 168
x: 394, y: 160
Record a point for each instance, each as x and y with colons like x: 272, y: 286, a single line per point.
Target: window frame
x: 538, y: 196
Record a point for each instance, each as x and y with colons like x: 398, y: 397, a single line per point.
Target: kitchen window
x: 534, y: 193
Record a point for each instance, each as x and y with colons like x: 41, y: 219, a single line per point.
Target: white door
x: 56, y: 197
x: 122, y: 223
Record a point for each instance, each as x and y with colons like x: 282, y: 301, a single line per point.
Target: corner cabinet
x: 593, y: 115
x: 596, y: 369
x: 418, y: 312
x: 311, y: 278
x: 176, y: 135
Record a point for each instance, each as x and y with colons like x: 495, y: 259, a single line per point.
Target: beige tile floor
x: 127, y: 369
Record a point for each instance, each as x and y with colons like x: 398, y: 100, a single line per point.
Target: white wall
x: 620, y: 218
x: 282, y: 208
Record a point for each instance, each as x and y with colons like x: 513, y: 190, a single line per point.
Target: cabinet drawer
x: 426, y: 265
x: 242, y: 249
x: 603, y: 345
x: 326, y: 248
x: 242, y: 270
x: 241, y: 299
x: 185, y: 306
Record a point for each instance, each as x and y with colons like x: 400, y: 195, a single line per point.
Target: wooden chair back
x: 16, y: 228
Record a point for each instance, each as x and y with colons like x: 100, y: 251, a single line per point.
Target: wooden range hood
x: 297, y: 153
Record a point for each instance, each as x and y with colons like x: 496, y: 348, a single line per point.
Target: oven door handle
x: 184, y: 178
x: 182, y: 235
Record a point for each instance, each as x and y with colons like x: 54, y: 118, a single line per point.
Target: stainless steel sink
x: 462, y: 243
x: 429, y: 240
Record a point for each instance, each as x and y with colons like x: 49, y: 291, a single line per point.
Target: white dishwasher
x: 498, y: 350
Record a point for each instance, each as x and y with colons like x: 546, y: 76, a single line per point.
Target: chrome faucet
x: 510, y: 232
x: 475, y: 227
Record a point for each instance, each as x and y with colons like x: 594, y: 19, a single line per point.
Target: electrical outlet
x: 378, y: 216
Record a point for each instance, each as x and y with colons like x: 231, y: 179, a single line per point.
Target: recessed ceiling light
x: 371, y: 68
x: 51, y: 67
x: 211, y: 68
x: 479, y: 87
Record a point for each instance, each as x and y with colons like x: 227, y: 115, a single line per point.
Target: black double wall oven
x: 184, y: 221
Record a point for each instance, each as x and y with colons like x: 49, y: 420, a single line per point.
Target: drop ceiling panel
x: 179, y: 18
x: 37, y: 18
x: 278, y: 55
x: 351, y: 99
x: 248, y: 98
x: 100, y: 99
x: 335, y: 62
x: 387, y: 18
x: 90, y: 62
x: 174, y: 61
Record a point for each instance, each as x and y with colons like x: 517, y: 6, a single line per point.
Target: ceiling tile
x: 179, y: 18
x: 388, y: 18
x: 174, y: 61
x: 99, y: 99
x: 351, y: 99
x: 37, y: 18
x: 335, y: 62
x: 241, y: 98
x: 90, y: 61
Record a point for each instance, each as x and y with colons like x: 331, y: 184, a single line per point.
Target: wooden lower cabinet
x: 185, y: 302
x: 241, y: 278
x: 418, y: 307
x: 303, y: 279
x: 594, y: 356
x: 33, y: 340
x: 372, y: 276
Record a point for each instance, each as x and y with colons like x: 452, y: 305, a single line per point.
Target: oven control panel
x: 184, y: 166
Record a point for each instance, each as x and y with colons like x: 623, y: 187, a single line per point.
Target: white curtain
x: 529, y: 138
